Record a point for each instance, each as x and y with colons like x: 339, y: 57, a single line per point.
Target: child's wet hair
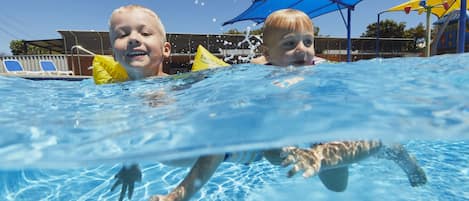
x: 290, y: 20
x: 159, y: 24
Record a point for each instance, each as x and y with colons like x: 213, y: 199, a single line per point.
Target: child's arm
x: 200, y: 173
x: 328, y: 155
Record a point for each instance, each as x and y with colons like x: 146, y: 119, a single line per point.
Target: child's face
x: 291, y: 48
x: 137, y: 42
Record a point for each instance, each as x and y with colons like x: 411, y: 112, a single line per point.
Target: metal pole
x: 349, y: 39
x: 78, y: 55
x: 462, y: 27
x: 101, y: 42
x: 429, y: 31
x: 377, y: 36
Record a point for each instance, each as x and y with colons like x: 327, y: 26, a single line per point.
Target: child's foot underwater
x: 408, y: 163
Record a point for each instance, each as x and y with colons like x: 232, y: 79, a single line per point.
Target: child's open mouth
x: 136, y: 54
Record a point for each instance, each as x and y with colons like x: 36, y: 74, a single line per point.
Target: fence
x: 31, y: 62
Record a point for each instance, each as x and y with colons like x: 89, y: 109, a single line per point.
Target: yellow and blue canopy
x: 260, y: 9
x: 439, y: 8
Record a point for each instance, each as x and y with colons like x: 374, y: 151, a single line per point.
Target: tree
x: 387, y: 29
x: 316, y: 31
x: 233, y: 31
x: 391, y: 29
x: 417, y: 32
x: 257, y: 31
x: 17, y: 47
x: 253, y: 32
x: 261, y: 30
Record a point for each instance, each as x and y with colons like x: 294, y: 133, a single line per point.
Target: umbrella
x: 438, y: 8
x: 260, y: 9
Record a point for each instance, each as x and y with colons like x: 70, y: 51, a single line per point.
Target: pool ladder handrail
x: 78, y: 48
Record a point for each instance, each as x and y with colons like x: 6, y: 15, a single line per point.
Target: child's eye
x: 308, y: 42
x: 146, y: 32
x: 122, y: 35
x: 288, y: 44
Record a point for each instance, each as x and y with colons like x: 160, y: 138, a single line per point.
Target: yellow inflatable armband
x: 106, y: 70
x: 205, y: 60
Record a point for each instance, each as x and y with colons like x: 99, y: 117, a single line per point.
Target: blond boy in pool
x: 138, y: 40
x: 289, y: 41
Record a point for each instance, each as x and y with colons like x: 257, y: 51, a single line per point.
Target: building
x: 76, y: 47
x: 447, y: 34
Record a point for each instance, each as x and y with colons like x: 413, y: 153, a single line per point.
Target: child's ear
x: 166, y: 49
x: 265, y: 52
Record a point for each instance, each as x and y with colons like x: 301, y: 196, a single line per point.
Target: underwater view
x: 66, y: 140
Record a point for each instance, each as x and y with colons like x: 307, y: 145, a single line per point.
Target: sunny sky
x: 39, y: 20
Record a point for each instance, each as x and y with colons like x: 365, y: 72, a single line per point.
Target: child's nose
x: 300, y: 48
x: 134, y: 39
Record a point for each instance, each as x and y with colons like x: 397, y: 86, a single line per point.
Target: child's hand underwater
x: 127, y: 176
x: 301, y: 160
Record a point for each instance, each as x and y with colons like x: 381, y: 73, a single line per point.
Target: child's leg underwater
x: 406, y: 162
x: 330, y: 161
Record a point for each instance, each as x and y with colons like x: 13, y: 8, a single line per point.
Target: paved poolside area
x: 47, y: 76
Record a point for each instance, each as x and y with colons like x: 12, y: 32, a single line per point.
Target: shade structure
x: 437, y: 6
x: 260, y: 9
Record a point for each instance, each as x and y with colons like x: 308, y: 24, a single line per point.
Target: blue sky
x: 38, y: 20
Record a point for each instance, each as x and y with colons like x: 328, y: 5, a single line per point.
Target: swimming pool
x: 65, y: 140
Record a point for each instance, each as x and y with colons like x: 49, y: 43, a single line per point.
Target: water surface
x: 65, y: 140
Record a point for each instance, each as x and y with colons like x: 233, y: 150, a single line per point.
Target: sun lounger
x: 15, y: 66
x: 48, y: 66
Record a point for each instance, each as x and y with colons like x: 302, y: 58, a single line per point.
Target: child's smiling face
x: 137, y: 42
x: 291, y: 48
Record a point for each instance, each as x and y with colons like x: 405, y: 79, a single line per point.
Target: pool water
x: 66, y: 140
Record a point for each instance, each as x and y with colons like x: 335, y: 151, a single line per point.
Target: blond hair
x: 132, y: 7
x: 290, y: 20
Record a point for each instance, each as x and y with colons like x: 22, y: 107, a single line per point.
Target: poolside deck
x: 47, y: 77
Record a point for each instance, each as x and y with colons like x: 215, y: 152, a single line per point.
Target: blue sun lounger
x: 48, y: 66
x: 15, y: 66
